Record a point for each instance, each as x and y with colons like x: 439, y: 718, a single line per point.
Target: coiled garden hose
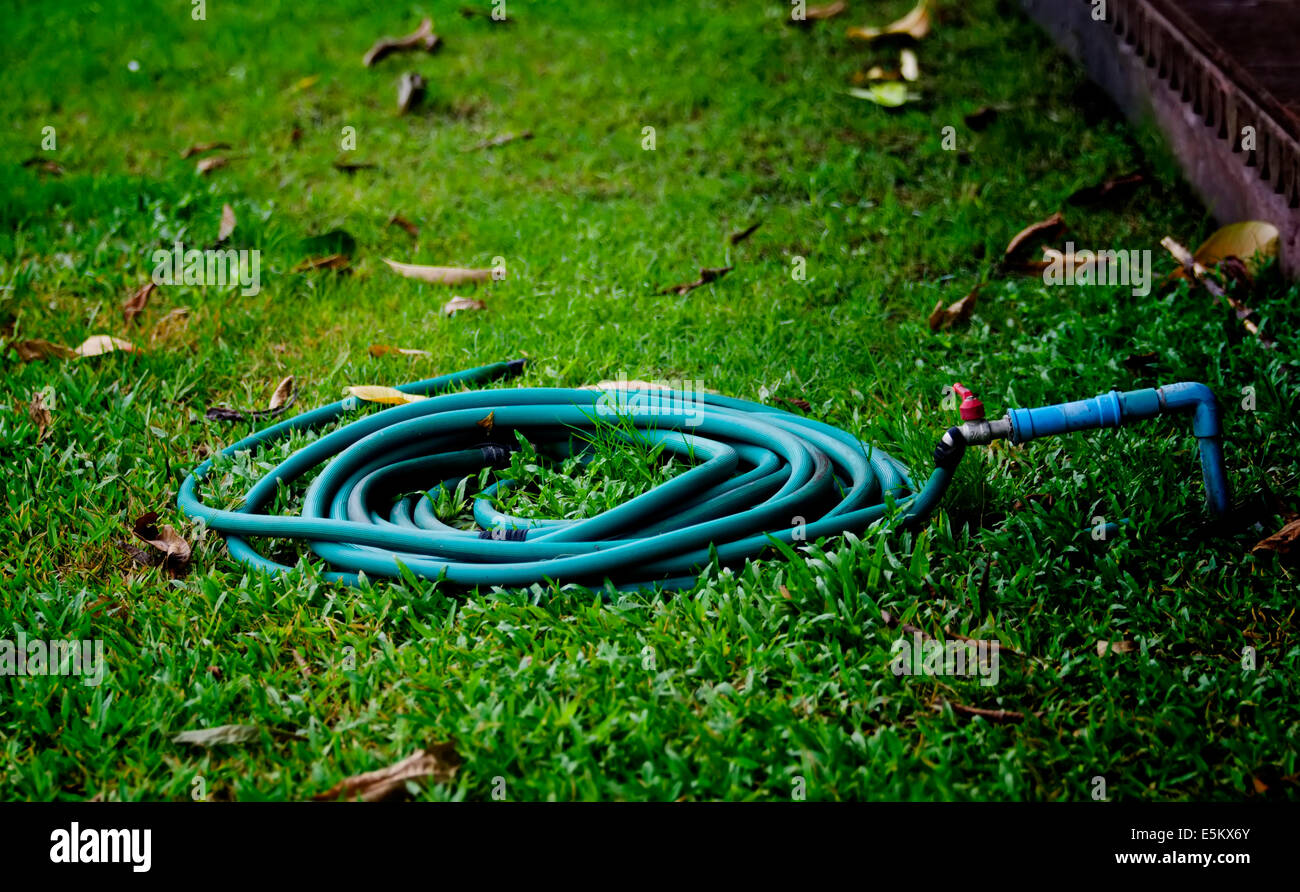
x: 757, y: 474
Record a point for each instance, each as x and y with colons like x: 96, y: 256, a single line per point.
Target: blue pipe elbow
x: 1115, y: 408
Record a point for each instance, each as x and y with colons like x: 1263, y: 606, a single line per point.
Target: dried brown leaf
x: 707, y: 275
x: 955, y: 313
x: 398, y: 220
x: 200, y: 148
x: 410, y: 91
x: 437, y: 763
x: 39, y: 348
x: 207, y: 165
x: 336, y: 262
x: 457, y: 304
x: 283, y: 396
x: 916, y: 25
x: 174, y: 550
x: 489, y: 422
x: 40, y: 415
x: 135, y: 304
x: 1043, y: 230
x: 45, y: 166
x: 738, y: 237
x: 422, y: 38
x: 1126, y: 646
x: 1283, y: 542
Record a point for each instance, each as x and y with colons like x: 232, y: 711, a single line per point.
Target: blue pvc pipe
x: 1116, y: 408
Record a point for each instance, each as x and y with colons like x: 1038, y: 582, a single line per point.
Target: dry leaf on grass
x: 173, y: 551
x: 800, y: 404
x: 458, y: 304
x: 337, y: 262
x: 441, y: 275
x: 232, y: 734
x: 135, y: 304
x: 437, y: 763
x: 1043, y: 230
x: 410, y: 92
x: 227, y: 223
x: 503, y: 139
x: 1281, y: 543
x: 738, y: 237
x: 916, y: 25
x: 207, y: 165
x: 955, y: 313
x: 39, y: 412
x: 1127, y: 646
x: 282, y: 398
x: 200, y: 148
x: 819, y: 13
x: 45, y: 165
x: 389, y: 396
x: 707, y: 274
x: 411, y: 228
x: 96, y: 345
x: 1242, y: 240
x: 384, y: 349
x: 1194, y: 270
x: 39, y: 348
x: 422, y: 38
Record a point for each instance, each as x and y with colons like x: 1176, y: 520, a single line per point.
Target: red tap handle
x: 971, y: 407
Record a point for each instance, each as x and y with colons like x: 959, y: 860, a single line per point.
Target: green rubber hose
x: 757, y: 474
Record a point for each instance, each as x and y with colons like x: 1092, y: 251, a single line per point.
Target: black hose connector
x: 952, y: 446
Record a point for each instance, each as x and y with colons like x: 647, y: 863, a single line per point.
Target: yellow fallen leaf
x: 1240, y: 240
x: 383, y: 349
x: 442, y: 275
x: 890, y: 94
x: 99, y: 344
x: 916, y: 24
x: 389, y: 396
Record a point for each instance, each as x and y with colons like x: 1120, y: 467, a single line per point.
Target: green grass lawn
x: 762, y: 683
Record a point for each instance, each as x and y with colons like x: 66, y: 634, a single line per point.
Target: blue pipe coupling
x: 1116, y: 408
